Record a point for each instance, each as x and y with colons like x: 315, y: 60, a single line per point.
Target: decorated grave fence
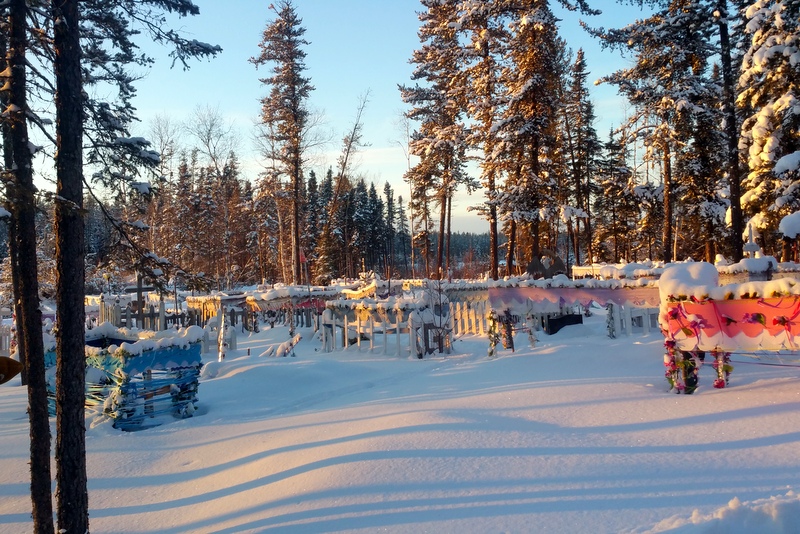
x: 137, y: 382
x: 551, y: 303
x: 759, y: 319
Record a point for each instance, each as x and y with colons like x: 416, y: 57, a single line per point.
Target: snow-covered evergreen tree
x: 667, y: 85
x: 440, y: 137
x: 583, y: 151
x: 770, y: 90
x: 285, y: 108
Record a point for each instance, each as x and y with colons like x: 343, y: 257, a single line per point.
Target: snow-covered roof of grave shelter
x: 759, y: 264
x: 646, y: 268
x: 121, y: 299
x: 160, y: 339
x: 284, y: 292
x: 395, y: 303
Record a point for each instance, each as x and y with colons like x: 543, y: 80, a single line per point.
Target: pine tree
x: 527, y: 138
x: 20, y: 190
x: 390, y: 228
x: 615, y: 207
x: 770, y: 88
x: 583, y: 149
x: 486, y: 36
x: 667, y: 83
x: 440, y: 138
x: 285, y: 107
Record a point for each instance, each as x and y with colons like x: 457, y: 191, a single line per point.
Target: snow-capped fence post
x: 205, y: 343
x: 398, y: 329
x: 345, y: 332
x: 5, y: 340
x: 231, y: 338
x: 626, y: 318
x: 221, y: 341
x: 462, y: 319
x: 482, y: 319
x: 384, y: 314
x: 413, y: 347
x: 328, y: 331
x: 162, y: 317
x: 358, y: 331
x: 371, y: 322
x: 472, y: 321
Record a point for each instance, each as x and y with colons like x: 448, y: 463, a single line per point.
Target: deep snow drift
x: 578, y: 434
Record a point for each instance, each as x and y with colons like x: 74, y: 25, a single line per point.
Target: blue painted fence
x: 137, y: 391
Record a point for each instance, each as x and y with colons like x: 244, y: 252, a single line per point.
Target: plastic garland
x: 722, y: 365
x: 612, y: 333
x: 494, y: 333
x: 682, y: 368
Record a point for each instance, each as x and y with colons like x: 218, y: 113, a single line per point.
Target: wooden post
x: 398, y: 321
x: 371, y: 322
x: 412, y: 335
x: 646, y: 320
x: 626, y: 310
x: 139, y: 302
x: 162, y: 317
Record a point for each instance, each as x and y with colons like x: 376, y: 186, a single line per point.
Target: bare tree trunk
x: 493, y: 240
x: 297, y: 178
x: 449, y: 233
x: 24, y: 265
x: 442, y: 229
x: 512, y: 245
x: 667, y: 236
x: 731, y: 133
x: 72, y: 497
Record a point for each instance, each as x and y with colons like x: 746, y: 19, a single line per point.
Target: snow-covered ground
x: 575, y: 435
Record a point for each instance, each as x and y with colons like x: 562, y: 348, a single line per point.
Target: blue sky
x: 355, y: 46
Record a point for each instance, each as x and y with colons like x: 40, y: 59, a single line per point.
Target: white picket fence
x: 5, y: 340
x: 628, y: 319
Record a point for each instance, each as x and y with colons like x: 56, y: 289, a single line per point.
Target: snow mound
x: 775, y: 515
x: 210, y: 370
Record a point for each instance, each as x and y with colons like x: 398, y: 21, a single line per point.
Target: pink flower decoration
x: 698, y: 323
x: 754, y: 318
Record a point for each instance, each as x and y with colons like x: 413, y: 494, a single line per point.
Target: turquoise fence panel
x: 138, y: 390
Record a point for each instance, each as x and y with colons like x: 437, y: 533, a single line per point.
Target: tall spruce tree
x: 285, y: 107
x: 20, y: 192
x: 440, y: 138
x: 666, y: 84
x: 527, y: 127
x: 583, y: 149
x: 72, y: 497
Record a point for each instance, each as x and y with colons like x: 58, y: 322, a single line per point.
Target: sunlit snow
x: 578, y: 434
